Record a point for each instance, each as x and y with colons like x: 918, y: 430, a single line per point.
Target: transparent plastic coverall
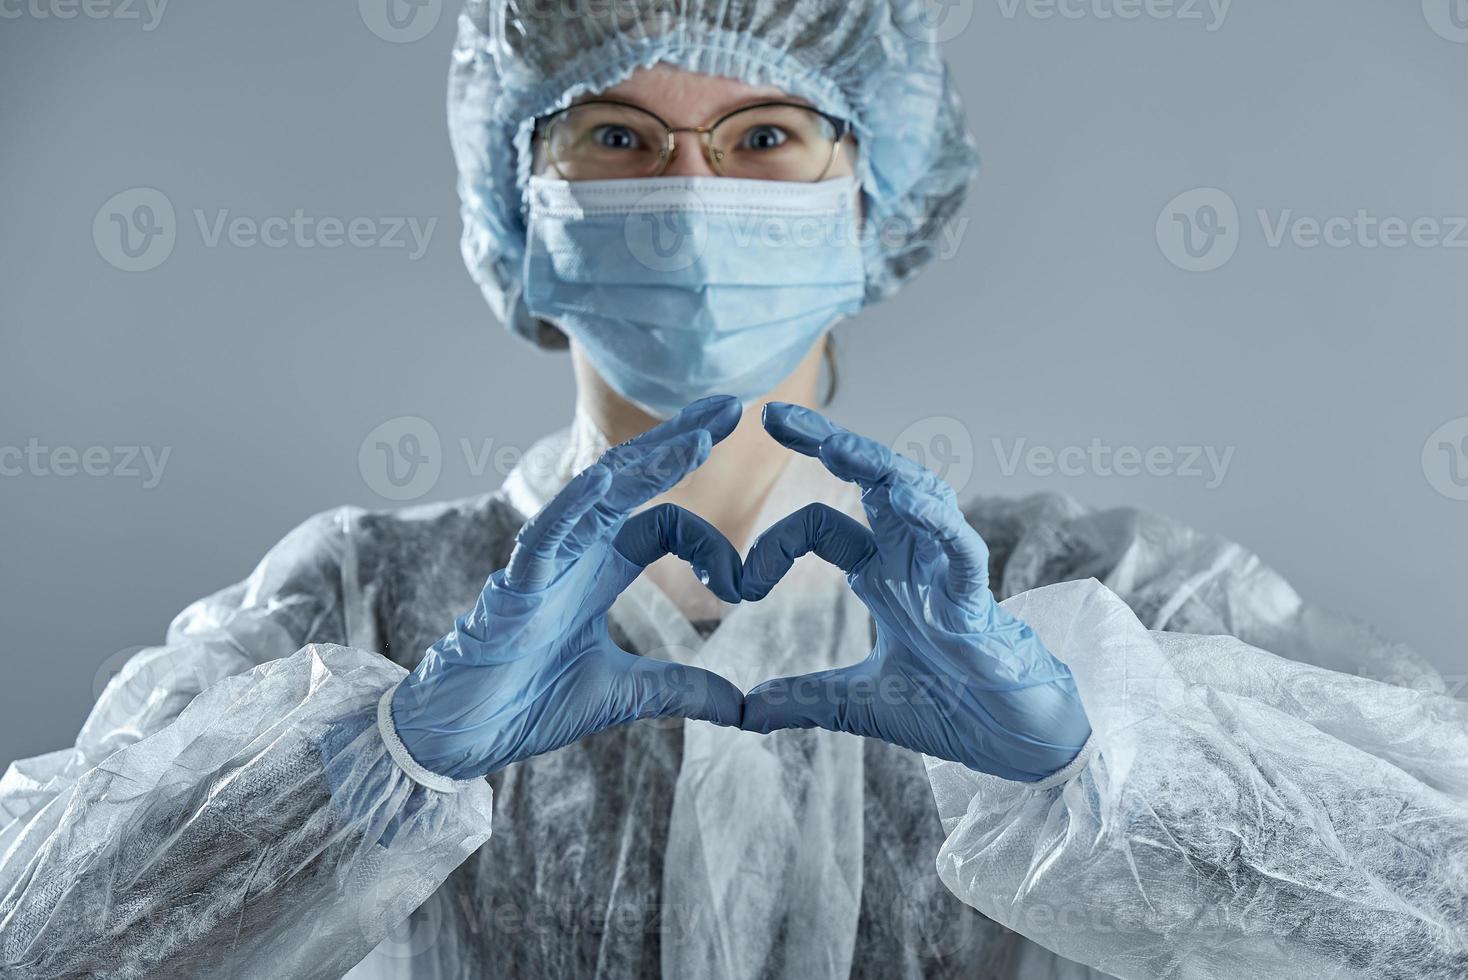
x: 1239, y: 814
x: 231, y: 806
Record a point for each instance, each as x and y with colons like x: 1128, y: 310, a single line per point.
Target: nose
x: 689, y: 157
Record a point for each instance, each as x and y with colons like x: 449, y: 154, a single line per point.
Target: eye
x: 614, y: 137
x: 766, y: 137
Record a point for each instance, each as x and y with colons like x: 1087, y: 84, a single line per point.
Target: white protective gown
x: 230, y: 807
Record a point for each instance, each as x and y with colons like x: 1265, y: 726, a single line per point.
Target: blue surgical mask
x: 681, y: 287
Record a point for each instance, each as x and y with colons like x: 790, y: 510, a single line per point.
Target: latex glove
x: 952, y: 675
x: 532, y: 667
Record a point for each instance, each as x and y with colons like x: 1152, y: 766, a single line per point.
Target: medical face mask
x: 681, y: 287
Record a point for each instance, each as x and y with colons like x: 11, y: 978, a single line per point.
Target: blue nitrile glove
x: 532, y: 667
x: 952, y: 675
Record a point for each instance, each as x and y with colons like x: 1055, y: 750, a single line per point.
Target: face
x: 603, y: 145
x: 684, y: 98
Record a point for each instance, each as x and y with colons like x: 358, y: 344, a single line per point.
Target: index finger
x: 852, y: 457
x: 533, y: 561
x: 816, y: 527
x: 647, y: 471
x: 669, y: 529
x: 716, y: 414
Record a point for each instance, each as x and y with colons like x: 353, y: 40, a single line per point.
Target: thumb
x: 648, y: 688
x: 836, y: 700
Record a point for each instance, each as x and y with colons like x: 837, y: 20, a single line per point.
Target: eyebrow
x: 612, y: 95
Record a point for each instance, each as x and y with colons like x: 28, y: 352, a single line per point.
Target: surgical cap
x: 873, y: 62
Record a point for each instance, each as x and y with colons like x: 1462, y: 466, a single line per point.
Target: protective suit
x: 1238, y: 814
x: 237, y: 806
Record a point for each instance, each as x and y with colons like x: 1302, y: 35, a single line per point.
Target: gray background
x: 1059, y: 320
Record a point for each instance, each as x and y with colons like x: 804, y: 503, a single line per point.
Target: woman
x: 687, y: 196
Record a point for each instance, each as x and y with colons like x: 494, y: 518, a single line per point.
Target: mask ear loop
x: 832, y: 380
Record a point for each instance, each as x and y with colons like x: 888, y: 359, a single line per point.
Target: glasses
x: 603, y: 139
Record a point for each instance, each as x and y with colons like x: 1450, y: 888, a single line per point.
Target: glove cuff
x: 1082, y: 759
x: 405, y: 761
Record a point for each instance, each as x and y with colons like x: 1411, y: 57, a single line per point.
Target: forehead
x: 672, y: 91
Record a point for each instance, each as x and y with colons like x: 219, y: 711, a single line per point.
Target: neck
x: 729, y: 489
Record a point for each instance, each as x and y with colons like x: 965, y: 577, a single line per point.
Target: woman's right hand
x: 533, y: 667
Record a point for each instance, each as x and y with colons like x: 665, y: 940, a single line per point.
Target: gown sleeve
x: 233, y: 805
x: 1236, y: 813
x: 1182, y: 580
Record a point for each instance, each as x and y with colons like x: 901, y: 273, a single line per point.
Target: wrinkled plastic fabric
x: 1236, y: 814
x: 590, y: 840
x: 873, y: 62
x: 213, y: 847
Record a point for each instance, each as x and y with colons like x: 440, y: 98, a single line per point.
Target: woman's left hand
x: 952, y: 674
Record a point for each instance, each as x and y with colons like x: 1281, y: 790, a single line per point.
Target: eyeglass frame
x: 843, y: 129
